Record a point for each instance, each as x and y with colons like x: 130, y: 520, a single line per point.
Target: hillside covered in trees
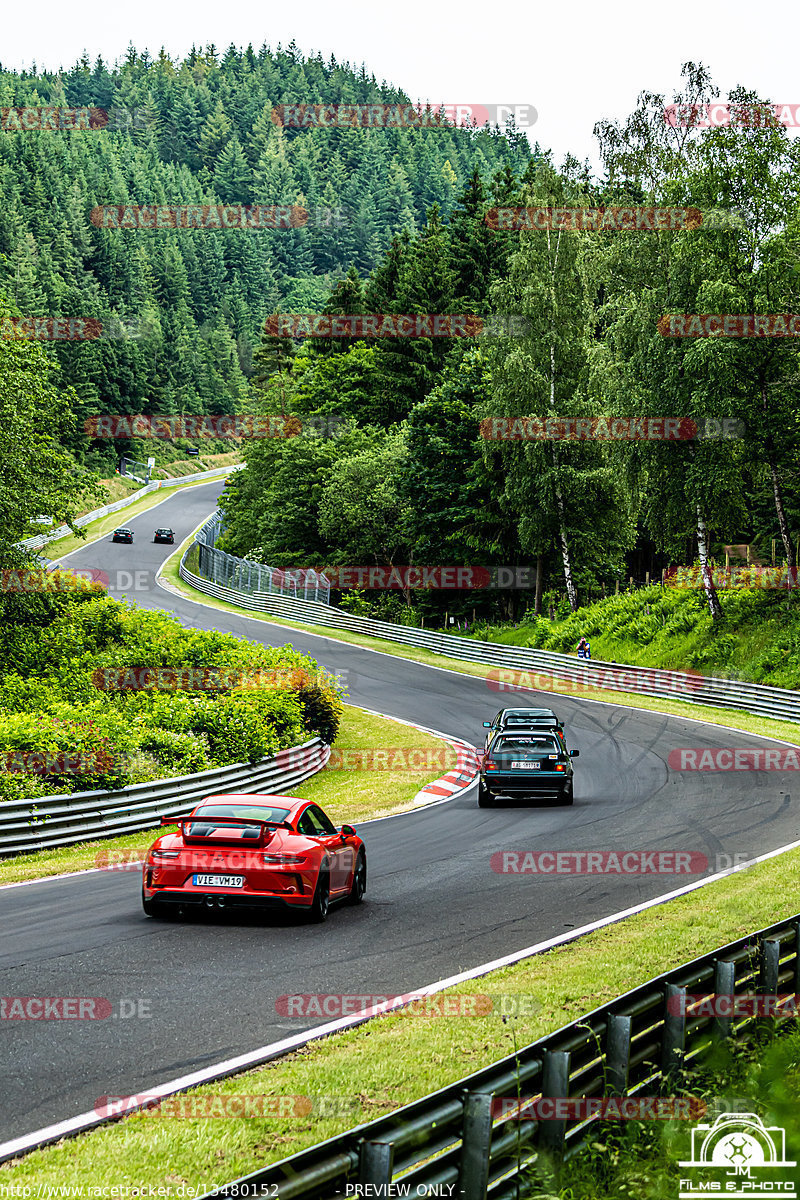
x: 413, y: 479
x: 410, y: 477
x: 189, y: 304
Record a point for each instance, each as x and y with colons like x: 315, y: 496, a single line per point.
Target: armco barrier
x: 62, y: 820
x: 780, y: 703
x: 41, y: 539
x: 456, y: 1143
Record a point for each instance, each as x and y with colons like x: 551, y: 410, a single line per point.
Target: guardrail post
x: 476, y: 1143
x: 674, y: 1040
x: 724, y: 984
x: 555, y: 1086
x: 618, y: 1053
x: 375, y: 1165
x: 769, y: 968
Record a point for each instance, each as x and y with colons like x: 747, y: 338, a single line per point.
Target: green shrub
x: 322, y: 710
x: 176, y: 753
x: 50, y: 702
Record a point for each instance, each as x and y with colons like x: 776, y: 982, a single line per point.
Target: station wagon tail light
x: 489, y: 765
x: 561, y: 766
x: 284, y: 859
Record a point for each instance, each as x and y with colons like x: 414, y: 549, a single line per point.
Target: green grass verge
x: 346, y: 795
x: 400, y: 1057
x: 788, y: 731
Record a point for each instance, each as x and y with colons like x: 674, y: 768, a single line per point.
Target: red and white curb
x: 456, y: 781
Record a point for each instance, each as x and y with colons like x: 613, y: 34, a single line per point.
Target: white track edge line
x: 231, y: 1066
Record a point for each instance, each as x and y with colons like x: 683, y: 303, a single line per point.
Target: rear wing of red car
x: 214, y: 827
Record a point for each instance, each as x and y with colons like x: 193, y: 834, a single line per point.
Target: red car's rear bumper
x: 228, y: 898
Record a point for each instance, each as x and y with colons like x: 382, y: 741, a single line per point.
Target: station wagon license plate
x: 229, y: 881
x: 527, y: 766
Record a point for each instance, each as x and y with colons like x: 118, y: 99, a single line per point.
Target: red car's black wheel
x: 321, y: 903
x: 359, y: 879
x: 152, y: 908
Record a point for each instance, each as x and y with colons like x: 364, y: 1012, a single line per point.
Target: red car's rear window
x: 257, y: 812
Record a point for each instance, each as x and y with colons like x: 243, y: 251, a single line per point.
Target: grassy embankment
x: 757, y: 640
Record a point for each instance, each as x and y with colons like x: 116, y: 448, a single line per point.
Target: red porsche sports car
x: 252, y: 851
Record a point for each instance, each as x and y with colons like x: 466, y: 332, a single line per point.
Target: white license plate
x: 231, y: 881
x: 527, y: 766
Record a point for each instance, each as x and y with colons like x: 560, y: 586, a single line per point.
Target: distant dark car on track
x: 524, y: 718
x: 255, y: 851
x: 527, y: 762
x: 122, y: 535
x: 164, y: 535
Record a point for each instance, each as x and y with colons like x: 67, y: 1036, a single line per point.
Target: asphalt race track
x: 434, y: 905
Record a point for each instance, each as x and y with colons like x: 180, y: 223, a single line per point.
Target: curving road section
x: 204, y: 990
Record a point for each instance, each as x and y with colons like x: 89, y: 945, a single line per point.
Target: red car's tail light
x: 158, y: 855
x: 284, y: 859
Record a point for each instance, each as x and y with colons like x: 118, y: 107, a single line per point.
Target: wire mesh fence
x: 243, y: 575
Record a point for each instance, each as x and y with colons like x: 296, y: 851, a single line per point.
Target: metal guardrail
x: 39, y: 540
x: 252, y: 578
x: 519, y: 668
x: 49, y: 821
x: 456, y: 1142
